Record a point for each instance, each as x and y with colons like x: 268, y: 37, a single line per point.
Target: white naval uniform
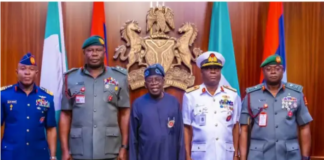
x: 212, y: 133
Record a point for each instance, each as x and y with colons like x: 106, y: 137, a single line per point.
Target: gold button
x: 27, y: 143
x: 28, y: 104
x: 27, y: 130
x: 27, y: 117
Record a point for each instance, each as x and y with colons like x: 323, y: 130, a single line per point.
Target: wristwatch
x: 53, y: 158
x: 124, y: 146
x: 306, y: 158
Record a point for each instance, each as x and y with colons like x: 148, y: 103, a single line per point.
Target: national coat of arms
x: 174, y: 54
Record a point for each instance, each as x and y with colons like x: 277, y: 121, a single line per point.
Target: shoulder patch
x: 120, y: 69
x: 192, y: 89
x: 294, y: 87
x: 5, y: 87
x: 229, y: 88
x: 47, y: 91
x: 254, y: 88
x: 71, y: 70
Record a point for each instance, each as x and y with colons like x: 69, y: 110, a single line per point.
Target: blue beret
x: 93, y: 40
x: 155, y: 69
x: 28, y: 59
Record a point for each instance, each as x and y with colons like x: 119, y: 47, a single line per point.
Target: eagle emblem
x: 174, y: 54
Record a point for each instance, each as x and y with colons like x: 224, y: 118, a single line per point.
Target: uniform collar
x: 265, y: 87
x: 205, y: 91
x: 85, y: 71
x: 18, y: 88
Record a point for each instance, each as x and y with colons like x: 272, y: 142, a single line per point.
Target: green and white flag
x: 54, y: 62
x: 220, y: 40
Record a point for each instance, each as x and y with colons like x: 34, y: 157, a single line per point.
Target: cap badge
x: 278, y: 59
x: 212, y: 58
x: 32, y: 60
x: 101, y: 41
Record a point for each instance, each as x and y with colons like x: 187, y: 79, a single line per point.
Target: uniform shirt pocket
x: 76, y: 90
x: 79, y: 95
x: 256, y: 150
x: 198, y: 151
x: 110, y: 94
x: 7, y: 151
x: 76, y: 141
x: 42, y: 149
x: 229, y: 147
x: 291, y: 121
x: 293, y: 151
x: 256, y: 112
x: 112, y: 143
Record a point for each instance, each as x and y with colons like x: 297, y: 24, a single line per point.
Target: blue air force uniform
x: 25, y: 117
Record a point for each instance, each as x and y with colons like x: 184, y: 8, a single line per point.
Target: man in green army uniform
x: 275, y: 108
x: 93, y: 96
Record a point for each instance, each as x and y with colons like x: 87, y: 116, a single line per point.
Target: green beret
x: 93, y: 40
x: 273, y: 59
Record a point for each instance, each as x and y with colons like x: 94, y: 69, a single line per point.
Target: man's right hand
x: 66, y: 156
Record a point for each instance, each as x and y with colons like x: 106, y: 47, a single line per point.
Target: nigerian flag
x: 220, y: 40
x: 54, y: 62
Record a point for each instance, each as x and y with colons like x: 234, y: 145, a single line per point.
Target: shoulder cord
x: 249, y: 108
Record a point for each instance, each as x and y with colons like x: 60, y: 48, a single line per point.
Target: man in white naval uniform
x: 211, y: 113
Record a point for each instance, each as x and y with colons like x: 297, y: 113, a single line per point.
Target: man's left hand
x: 236, y: 158
x: 122, y: 154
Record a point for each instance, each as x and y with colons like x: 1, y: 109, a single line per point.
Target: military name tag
x: 80, y: 99
x: 263, y: 119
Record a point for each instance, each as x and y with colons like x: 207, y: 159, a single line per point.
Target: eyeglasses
x: 157, y: 80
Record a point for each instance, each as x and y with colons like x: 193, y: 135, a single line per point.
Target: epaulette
x: 192, y: 89
x: 47, y: 91
x: 294, y: 87
x: 120, y: 69
x: 230, y: 88
x: 254, y: 88
x: 71, y: 70
x: 5, y: 87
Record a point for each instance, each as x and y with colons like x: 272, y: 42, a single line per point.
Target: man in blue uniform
x: 156, y: 127
x: 27, y: 110
x: 278, y: 110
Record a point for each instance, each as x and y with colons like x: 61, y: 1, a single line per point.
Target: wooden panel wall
x: 23, y: 27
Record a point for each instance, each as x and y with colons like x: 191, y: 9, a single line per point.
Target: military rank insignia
x: 171, y: 122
